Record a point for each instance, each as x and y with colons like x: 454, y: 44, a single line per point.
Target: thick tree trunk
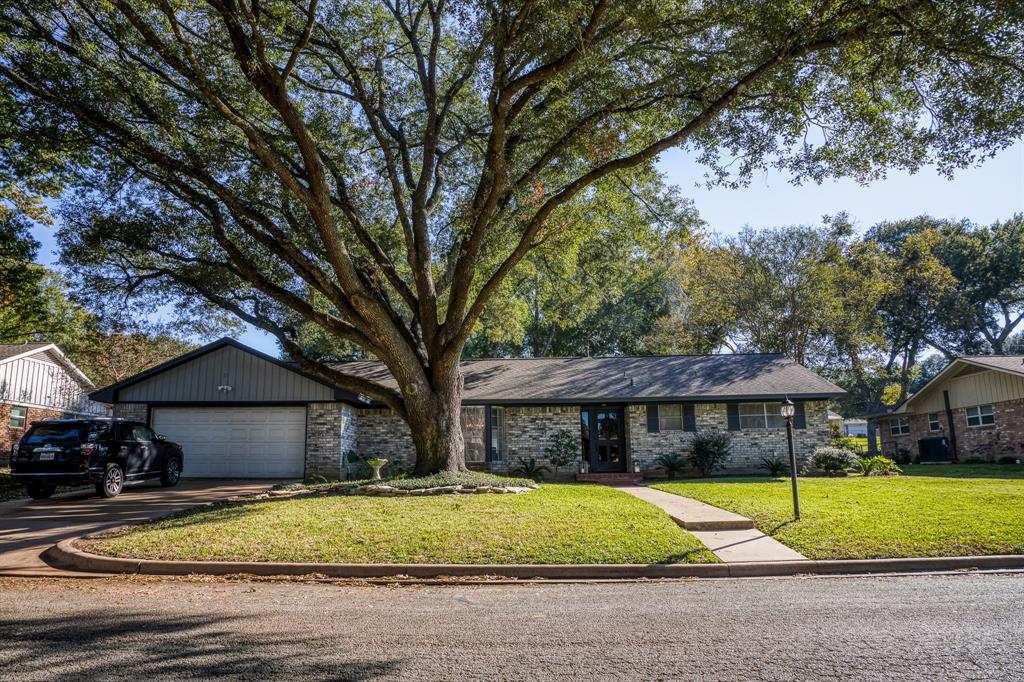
x: 433, y: 417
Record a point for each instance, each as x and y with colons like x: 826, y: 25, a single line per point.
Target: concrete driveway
x: 27, y: 529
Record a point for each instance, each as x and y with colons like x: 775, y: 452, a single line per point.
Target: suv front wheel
x: 171, y: 472
x: 112, y: 483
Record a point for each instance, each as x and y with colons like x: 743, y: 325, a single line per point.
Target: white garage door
x: 237, y: 442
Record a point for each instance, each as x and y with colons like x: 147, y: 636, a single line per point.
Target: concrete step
x: 614, y: 478
x: 692, y: 514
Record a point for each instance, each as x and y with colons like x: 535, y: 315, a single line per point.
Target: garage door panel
x: 243, y: 442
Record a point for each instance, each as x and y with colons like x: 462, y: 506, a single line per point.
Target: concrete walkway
x: 28, y: 528
x: 733, y: 538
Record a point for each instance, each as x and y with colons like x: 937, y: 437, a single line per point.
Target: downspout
x: 952, y: 428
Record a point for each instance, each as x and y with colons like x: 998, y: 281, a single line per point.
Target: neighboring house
x: 240, y: 413
x: 856, y: 428
x: 37, y: 381
x: 974, y: 408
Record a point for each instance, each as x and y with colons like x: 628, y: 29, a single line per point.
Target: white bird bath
x: 376, y: 465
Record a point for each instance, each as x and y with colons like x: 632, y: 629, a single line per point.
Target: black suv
x: 107, y: 452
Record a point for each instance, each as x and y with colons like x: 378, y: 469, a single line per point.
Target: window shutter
x: 799, y: 416
x: 689, y: 418
x: 652, y: 419
x: 733, y: 410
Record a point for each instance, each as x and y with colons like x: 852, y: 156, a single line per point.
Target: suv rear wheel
x: 40, y: 491
x: 171, y: 472
x: 112, y: 483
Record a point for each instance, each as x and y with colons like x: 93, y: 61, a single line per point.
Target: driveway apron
x: 29, y: 528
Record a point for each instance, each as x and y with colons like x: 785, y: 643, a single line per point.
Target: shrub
x: 973, y: 460
x: 775, y: 466
x: 833, y: 461
x: 531, y: 468
x: 564, y: 449
x: 877, y: 466
x: 709, y: 450
x: 672, y: 463
x: 1008, y: 460
x: 902, y: 456
x: 848, y: 443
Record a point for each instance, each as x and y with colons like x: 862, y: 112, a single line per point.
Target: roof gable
x: 46, y: 352
x: 963, y: 366
x: 196, y: 376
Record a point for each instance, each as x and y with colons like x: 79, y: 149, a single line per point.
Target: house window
x: 497, y: 431
x: 473, y: 433
x: 761, y: 416
x: 18, y: 416
x: 981, y: 415
x: 670, y: 417
x: 933, y: 422
x: 900, y: 426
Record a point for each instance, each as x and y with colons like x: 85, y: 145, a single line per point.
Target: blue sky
x: 986, y: 193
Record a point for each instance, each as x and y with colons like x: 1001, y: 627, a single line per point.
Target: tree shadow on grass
x: 132, y: 644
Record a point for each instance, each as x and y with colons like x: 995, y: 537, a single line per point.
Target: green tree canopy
x: 402, y: 159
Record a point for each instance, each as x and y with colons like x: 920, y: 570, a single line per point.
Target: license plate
x: 45, y: 456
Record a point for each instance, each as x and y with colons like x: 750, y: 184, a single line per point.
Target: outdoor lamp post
x: 788, y: 410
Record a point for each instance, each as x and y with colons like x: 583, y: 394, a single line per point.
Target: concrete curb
x: 66, y: 555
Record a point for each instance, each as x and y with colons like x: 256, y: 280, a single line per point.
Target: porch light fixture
x: 788, y: 410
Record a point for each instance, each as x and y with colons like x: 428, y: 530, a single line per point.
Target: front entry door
x: 603, y: 438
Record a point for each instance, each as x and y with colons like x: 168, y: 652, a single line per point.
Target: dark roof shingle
x: 629, y: 378
x: 9, y: 350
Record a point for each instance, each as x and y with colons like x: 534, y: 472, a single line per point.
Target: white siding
x: 38, y: 381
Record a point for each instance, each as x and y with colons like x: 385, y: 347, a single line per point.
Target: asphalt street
x: 948, y: 627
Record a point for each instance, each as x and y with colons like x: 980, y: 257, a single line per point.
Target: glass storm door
x: 605, y: 445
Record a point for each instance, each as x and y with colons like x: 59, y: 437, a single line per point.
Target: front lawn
x: 553, y: 525
x: 932, y: 511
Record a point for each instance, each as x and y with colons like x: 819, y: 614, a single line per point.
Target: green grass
x: 466, y: 478
x: 931, y: 511
x: 555, y: 524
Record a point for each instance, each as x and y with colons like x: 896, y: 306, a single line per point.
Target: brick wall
x: 382, y: 433
x: 530, y: 430
x: 1005, y: 438
x: 331, y: 431
x: 10, y: 436
x: 749, y: 446
x: 134, y: 411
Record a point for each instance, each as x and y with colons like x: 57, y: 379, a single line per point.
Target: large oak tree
x: 380, y: 168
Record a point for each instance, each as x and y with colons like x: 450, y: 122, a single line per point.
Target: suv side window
x: 141, y: 432
x: 97, y: 432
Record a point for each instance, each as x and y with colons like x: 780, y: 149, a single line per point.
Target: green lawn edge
x: 556, y: 524
x: 931, y: 511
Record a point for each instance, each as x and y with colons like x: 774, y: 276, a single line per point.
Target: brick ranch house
x: 973, y: 408
x: 37, y: 381
x: 241, y: 413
